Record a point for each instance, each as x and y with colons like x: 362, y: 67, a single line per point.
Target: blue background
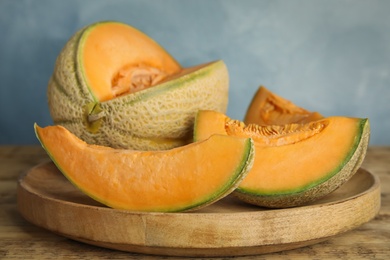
x: 331, y: 56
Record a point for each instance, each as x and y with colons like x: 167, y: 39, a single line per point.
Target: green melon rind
x: 213, y: 79
x: 315, y: 191
x: 239, y: 174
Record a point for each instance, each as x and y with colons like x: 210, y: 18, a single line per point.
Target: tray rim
x: 208, y: 250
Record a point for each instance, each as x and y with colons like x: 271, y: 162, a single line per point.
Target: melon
x: 113, y: 85
x: 268, y: 108
x: 294, y: 163
x: 179, y: 179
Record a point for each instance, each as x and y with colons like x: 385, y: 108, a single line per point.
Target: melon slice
x: 114, y: 86
x: 267, y: 108
x: 180, y: 179
x: 294, y: 163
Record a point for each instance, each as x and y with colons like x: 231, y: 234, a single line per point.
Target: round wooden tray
x: 226, y: 228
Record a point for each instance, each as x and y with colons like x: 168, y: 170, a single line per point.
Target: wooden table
x: 21, y: 240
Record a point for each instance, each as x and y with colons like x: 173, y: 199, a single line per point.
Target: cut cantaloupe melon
x: 180, y: 179
x: 115, y: 86
x: 267, y: 108
x: 294, y: 163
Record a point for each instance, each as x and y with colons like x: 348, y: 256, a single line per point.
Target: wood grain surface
x: 21, y: 240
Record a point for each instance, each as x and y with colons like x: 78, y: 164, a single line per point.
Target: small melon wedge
x: 294, y: 163
x: 267, y: 108
x: 180, y: 179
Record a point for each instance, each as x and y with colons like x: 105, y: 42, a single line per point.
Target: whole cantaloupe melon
x: 113, y: 85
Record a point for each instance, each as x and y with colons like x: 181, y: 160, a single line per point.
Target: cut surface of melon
x: 294, y: 163
x: 119, y: 59
x: 267, y: 108
x: 180, y: 179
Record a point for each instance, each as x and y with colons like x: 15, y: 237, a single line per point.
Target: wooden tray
x: 226, y: 228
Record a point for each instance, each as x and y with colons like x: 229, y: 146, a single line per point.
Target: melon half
x: 180, y: 179
x: 113, y: 85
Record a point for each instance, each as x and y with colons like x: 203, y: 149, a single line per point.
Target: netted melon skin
x: 157, y: 118
x: 66, y: 92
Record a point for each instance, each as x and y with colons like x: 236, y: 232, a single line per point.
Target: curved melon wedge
x: 180, y: 179
x: 295, y: 163
x: 267, y: 108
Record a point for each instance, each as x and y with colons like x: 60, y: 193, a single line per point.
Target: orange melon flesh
x: 127, y: 48
x: 267, y: 108
x: 302, y: 162
x: 184, y: 178
x: 311, y: 161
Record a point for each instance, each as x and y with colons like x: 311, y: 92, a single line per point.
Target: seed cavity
x: 133, y: 78
x: 275, y: 135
